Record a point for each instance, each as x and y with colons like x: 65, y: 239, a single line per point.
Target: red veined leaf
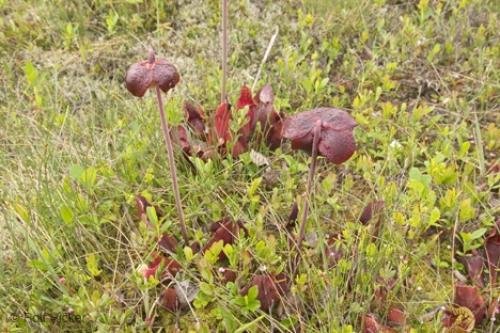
x: 471, y: 298
x: 474, y: 264
x: 333, y: 250
x: 172, y: 267
x: 153, y: 266
x: 265, y: 95
x: 244, y: 135
x: 167, y: 243
x: 275, y: 133
x: 226, y: 231
x: 245, y: 98
x: 169, y: 300
x: 263, y: 114
x: 142, y: 204
x: 271, y: 288
x: 372, y: 208
x: 222, y: 120
x: 182, y: 139
x: 292, y: 218
x: 227, y: 275
x: 240, y: 146
x: 195, y: 118
x: 216, y: 225
x: 370, y: 325
x: 260, y: 111
x: 492, y: 248
x: 195, y: 246
x: 396, y: 317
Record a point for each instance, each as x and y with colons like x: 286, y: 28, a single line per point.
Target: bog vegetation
x: 342, y: 176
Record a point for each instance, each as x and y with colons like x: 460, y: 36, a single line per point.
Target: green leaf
x: 22, y: 212
x: 478, y: 233
x: 76, y: 171
x: 31, y: 73
x: 248, y: 326
x: 188, y: 253
x: 151, y: 214
x: 93, y: 265
x: 253, y: 292
x: 89, y: 177
x: 66, y: 214
x: 466, y: 211
x: 212, y: 254
x: 434, y: 216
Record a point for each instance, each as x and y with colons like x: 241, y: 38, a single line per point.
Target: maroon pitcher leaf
x: 226, y: 231
x: 266, y: 95
x: 396, y: 316
x: 222, y: 121
x: 195, y: 118
x: 152, y: 267
x: 492, y: 247
x: 271, y: 288
x: 227, y: 275
x: 470, y: 297
x: 474, y: 264
x: 172, y: 267
x: 372, y: 208
x: 169, y: 300
x: 182, y: 139
x: 167, y: 243
x: 370, y: 324
x: 275, y: 133
x: 245, y: 98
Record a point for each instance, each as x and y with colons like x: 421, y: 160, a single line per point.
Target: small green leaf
x: 89, y: 177
x: 434, y: 216
x: 478, y: 233
x: 151, y: 214
x: 253, y: 292
x: 188, y: 253
x: 75, y: 171
x: 93, y: 265
x: 466, y: 211
x: 66, y: 214
x: 22, y: 212
x: 31, y: 73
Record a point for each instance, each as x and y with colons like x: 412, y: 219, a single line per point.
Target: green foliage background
x: 420, y: 77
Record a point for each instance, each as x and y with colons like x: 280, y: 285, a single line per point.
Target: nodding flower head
x: 151, y: 72
x: 336, y: 139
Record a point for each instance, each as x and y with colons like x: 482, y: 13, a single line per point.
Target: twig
x: 171, y: 164
x: 479, y: 143
x: 224, y: 50
x: 264, y: 59
x: 453, y: 241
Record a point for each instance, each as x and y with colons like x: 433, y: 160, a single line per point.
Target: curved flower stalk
x: 163, y: 76
x: 322, y: 131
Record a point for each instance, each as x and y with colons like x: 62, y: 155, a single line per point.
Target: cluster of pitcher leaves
x: 327, y: 132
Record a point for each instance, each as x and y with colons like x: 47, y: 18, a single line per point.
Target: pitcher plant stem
x: 171, y: 164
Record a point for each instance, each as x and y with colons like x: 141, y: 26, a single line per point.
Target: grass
x: 420, y: 77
